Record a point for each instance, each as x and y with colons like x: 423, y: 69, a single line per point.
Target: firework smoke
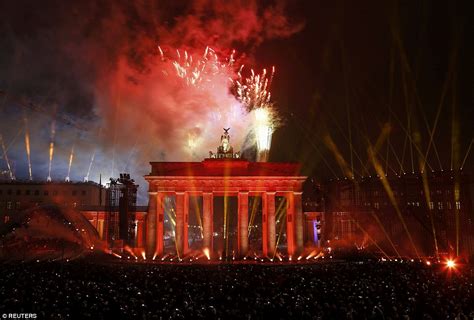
x: 173, y: 102
x: 253, y: 107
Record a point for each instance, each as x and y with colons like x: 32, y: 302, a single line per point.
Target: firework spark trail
x: 51, y: 148
x: 5, y: 156
x: 197, y: 72
x: 71, y: 157
x: 254, y: 93
x: 27, y: 147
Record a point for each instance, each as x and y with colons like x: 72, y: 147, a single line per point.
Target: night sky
x: 344, y: 71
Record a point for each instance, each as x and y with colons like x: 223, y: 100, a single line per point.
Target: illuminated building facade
x: 353, y: 205
x: 99, y: 205
x: 222, y: 187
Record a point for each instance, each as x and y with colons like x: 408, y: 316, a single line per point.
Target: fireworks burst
x: 252, y: 93
x: 198, y: 71
x: 263, y: 132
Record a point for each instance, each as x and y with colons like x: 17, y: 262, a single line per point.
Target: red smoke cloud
x: 141, y: 98
x: 99, y: 62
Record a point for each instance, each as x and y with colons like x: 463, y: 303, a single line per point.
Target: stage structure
x: 224, y: 174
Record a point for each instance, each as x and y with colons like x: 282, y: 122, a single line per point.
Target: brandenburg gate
x: 224, y: 174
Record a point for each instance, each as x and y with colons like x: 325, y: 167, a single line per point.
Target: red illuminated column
x: 181, y: 231
x: 160, y: 212
x: 151, y: 224
x: 207, y: 208
x: 243, y: 223
x: 268, y: 223
x: 185, y: 225
x: 139, y: 234
x: 270, y: 199
x: 290, y: 224
x: 264, y: 225
x: 299, y: 228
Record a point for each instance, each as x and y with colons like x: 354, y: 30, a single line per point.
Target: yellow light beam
x: 370, y: 238
x: 467, y: 154
x: 338, y: 156
x: 378, y: 168
x: 426, y: 190
x: 385, y: 233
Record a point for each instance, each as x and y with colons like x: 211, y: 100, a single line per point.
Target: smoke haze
x: 97, y: 63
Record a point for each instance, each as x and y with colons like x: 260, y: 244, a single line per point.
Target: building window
x: 18, y: 192
x: 448, y: 204
x: 17, y: 205
x: 9, y: 205
x: 440, y: 206
x: 6, y: 219
x: 83, y: 192
x: 376, y: 205
x: 37, y: 192
x: 431, y: 205
x: 74, y: 204
x: 458, y: 205
x: 27, y: 192
x: 46, y: 192
x: 9, y: 192
x: 1, y: 192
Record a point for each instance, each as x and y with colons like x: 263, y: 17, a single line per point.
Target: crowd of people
x: 337, y: 290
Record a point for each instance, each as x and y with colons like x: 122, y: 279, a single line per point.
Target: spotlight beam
x: 467, y: 154
x: 378, y: 168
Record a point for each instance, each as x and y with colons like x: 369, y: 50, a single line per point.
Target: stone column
x: 151, y: 225
x: 181, y: 230
x: 268, y: 223
x: 243, y: 223
x: 299, y: 229
x: 160, y: 212
x: 264, y: 225
x: 139, y: 234
x: 270, y: 196
x: 290, y: 221
x: 185, y: 224
x: 207, y: 208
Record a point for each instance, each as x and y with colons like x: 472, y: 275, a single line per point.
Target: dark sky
x: 345, y: 70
